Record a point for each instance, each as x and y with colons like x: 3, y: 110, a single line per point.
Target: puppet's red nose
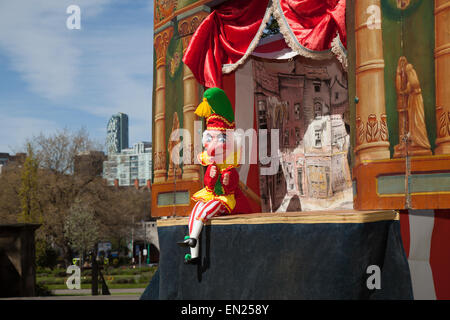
x: 211, y: 150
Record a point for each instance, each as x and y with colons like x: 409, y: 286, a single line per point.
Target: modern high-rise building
x: 117, y: 133
x: 130, y: 167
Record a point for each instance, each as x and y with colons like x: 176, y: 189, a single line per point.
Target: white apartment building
x: 130, y: 165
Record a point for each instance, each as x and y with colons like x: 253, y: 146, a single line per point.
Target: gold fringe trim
x: 340, y: 52
x: 274, y: 8
x: 228, y: 68
x: 337, y: 48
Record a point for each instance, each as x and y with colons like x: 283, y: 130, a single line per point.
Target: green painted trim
x: 174, y: 89
x: 419, y: 183
x: 166, y: 198
x: 391, y: 184
x: 409, y: 33
x: 193, y: 11
x: 163, y: 27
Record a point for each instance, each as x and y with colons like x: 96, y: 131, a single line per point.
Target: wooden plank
x: 344, y: 216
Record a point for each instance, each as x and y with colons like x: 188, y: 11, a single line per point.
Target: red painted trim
x: 229, y: 86
x: 440, y: 254
x: 404, y: 230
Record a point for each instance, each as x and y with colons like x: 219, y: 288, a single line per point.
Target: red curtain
x: 315, y: 23
x: 223, y: 38
x: 227, y: 33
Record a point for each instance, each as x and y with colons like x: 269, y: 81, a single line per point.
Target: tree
x: 57, y: 152
x: 117, y: 208
x: 81, y: 228
x: 58, y: 187
x: 28, y: 193
x: 46, y: 190
x: 10, y: 182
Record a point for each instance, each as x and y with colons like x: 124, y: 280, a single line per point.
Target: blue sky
x: 52, y: 77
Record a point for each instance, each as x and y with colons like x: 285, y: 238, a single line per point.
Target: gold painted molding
x: 371, y: 126
x: 442, y: 66
x: 347, y: 216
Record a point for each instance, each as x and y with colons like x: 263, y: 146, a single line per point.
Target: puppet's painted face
x: 216, y: 143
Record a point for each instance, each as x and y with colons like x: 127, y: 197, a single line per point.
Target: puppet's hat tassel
x: 204, y: 109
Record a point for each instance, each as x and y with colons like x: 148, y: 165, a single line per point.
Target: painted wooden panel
x: 411, y: 35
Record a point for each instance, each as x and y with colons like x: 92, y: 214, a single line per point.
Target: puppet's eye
x: 221, y: 138
x: 208, y: 138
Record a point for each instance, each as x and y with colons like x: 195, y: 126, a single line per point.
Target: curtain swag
x: 227, y: 37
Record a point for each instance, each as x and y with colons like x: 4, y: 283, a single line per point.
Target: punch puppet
x: 221, y: 194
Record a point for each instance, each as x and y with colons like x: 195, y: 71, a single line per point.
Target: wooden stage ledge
x: 342, y: 216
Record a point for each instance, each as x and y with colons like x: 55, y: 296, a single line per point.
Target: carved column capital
x: 161, y: 43
x: 187, y: 26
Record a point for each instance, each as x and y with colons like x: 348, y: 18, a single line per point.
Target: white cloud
x: 120, y: 62
x: 101, y: 70
x: 15, y: 131
x: 124, y: 79
x: 40, y: 47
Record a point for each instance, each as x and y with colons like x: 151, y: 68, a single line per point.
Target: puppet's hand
x: 230, y: 180
x: 213, y: 171
x: 226, y: 179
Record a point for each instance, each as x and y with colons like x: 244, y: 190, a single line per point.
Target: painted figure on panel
x: 174, y: 171
x: 412, y: 129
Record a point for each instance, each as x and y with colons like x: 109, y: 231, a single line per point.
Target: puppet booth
x: 344, y: 154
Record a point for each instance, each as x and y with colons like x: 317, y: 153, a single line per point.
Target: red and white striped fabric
x: 205, y: 211
x: 426, y: 239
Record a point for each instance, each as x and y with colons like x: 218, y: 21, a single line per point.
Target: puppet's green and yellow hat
x: 217, y: 109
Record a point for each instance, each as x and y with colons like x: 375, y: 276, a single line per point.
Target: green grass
x: 88, y: 294
x: 110, y: 286
x: 116, y: 278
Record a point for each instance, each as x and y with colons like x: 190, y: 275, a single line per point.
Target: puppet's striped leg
x: 195, y: 211
x: 209, y: 210
x: 188, y: 241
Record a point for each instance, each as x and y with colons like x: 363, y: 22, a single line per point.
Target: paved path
x: 88, y: 291
x: 85, y: 294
